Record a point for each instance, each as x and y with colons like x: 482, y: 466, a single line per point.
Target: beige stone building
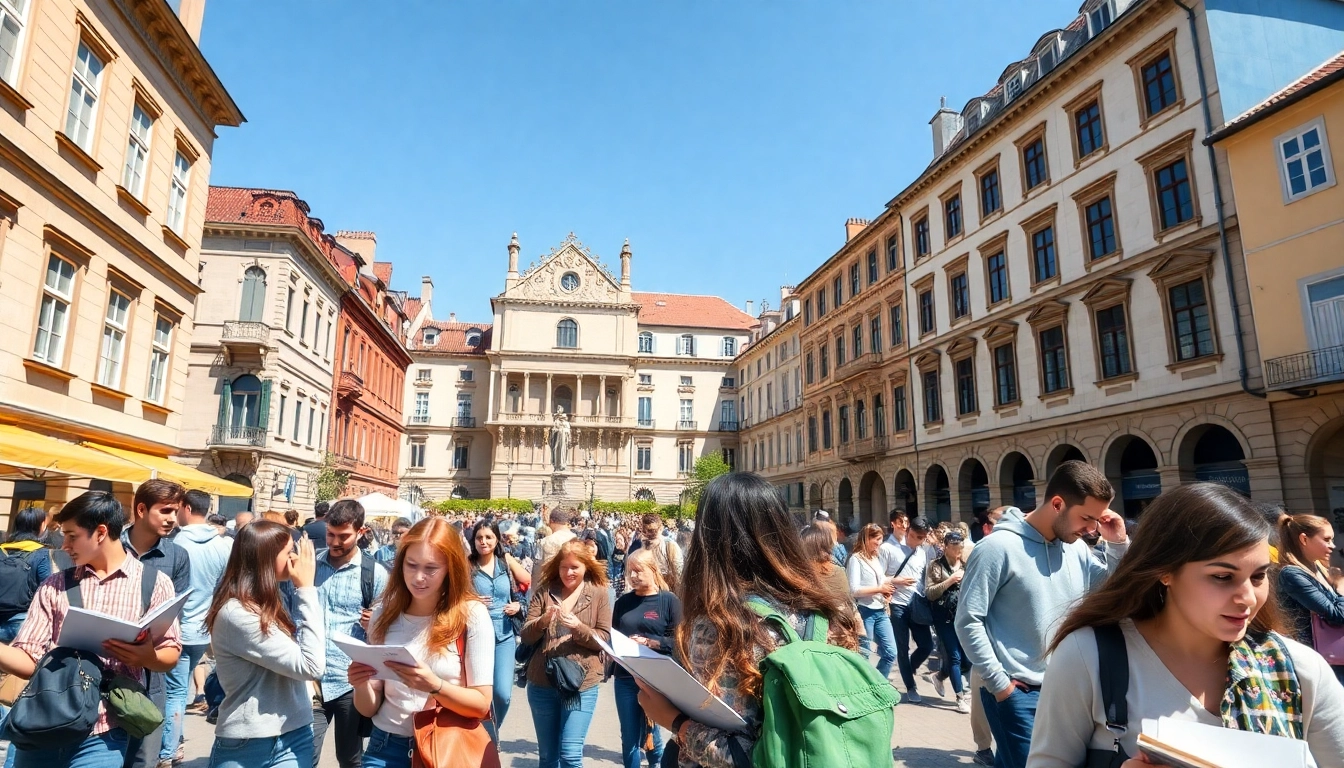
x: 108, y: 114
x: 646, y: 379
x: 770, y: 398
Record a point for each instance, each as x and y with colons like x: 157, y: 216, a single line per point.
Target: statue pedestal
x: 558, y: 493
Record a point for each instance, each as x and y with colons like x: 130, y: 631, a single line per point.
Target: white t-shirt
x: 401, y: 702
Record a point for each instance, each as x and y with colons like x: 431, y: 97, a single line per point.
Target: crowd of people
x: 1215, y: 606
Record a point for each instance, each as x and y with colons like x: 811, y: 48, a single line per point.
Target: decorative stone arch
x: 1224, y: 451
x: 937, y: 493
x: 230, y: 506
x: 1182, y: 447
x: 645, y: 494
x: 827, y: 494
x: 814, y: 501
x: 905, y: 492
x: 1064, y: 451
x: 973, y: 496
x: 1324, y: 469
x: 844, y: 501
x: 460, y: 492
x: 1017, y: 479
x: 1131, y: 462
x: 872, y: 498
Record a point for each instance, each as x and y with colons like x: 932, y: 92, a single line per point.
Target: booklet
x: 375, y: 655
x: 1188, y: 744
x: 669, y: 678
x: 85, y: 630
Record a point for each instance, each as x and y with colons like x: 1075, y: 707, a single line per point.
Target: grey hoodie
x: 1015, y: 592
x: 209, y: 553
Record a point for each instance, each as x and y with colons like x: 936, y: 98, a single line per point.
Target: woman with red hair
x: 428, y: 606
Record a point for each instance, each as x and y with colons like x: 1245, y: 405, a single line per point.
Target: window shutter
x: 264, y: 407
x: 225, y: 395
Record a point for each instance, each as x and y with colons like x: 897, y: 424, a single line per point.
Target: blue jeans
x: 561, y: 728
x: 951, y: 661
x: 634, y: 725
x: 904, y: 629
x: 877, y: 627
x: 388, y: 750
x: 292, y: 749
x: 178, y: 682
x: 1011, y: 721
x: 106, y: 750
x: 503, y: 690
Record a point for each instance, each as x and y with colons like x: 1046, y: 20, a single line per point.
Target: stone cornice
x: 287, y: 232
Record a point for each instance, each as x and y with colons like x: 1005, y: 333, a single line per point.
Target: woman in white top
x: 428, y: 606
x: 872, y: 590
x: 1195, y: 610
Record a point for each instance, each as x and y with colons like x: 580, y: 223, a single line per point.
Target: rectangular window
x: 922, y: 246
x: 54, y: 318
x: 1159, y: 84
x: 646, y: 411
x: 137, y: 149
x: 844, y: 424
x: 685, y: 344
x: 839, y: 351
x: 312, y: 417
x: 1054, y: 360
x: 838, y: 291
x: 646, y: 342
x: 966, y: 386
x: 1033, y: 164
x: 159, y: 356
x: 933, y: 406
x: 926, y: 322
x: 856, y: 340
x: 685, y: 457
x: 879, y: 416
x: 825, y: 360
x: 1113, y: 341
x: 687, y: 411
x: 872, y: 266
x: 899, y: 422
x: 1190, y: 321
x: 421, y: 408
x: 897, y: 327
x: 298, y: 417
x: 1087, y: 126
x: 991, y: 200
x: 13, y: 20
x: 424, y: 374
x: 646, y: 378
x: 465, y: 374
x: 875, y: 333
x: 1100, y: 228
x: 114, y: 340
x: 997, y: 267
x: 177, y: 193
x: 893, y: 253
x: 85, y: 83
x: 1305, y: 161
x: 685, y: 381
x: 303, y: 323
x: 807, y: 312
x: 1005, y: 375
x: 644, y: 458
x: 1174, y: 203
x: 1043, y: 261
x: 807, y: 363
x: 464, y: 405
x: 729, y: 382
x: 280, y: 428
x: 952, y: 216
x: 289, y: 310
x: 854, y: 286
x: 811, y: 434
x: 961, y: 296
x: 821, y: 302
x: 826, y: 430
x: 729, y: 346
x: 417, y: 455
x: 461, y: 456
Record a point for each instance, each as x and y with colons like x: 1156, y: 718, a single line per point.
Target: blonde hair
x: 643, y: 558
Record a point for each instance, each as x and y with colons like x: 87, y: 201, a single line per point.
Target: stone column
x: 489, y: 394
x: 601, y: 395
x: 547, y: 397
x: 578, y: 392
x: 527, y: 390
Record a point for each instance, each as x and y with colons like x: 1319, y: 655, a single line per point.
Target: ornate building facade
x: 770, y: 398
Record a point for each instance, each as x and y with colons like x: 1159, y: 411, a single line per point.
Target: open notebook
x: 1187, y: 744
x: 669, y: 678
x: 85, y: 630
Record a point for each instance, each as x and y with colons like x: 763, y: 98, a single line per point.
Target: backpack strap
x: 1113, y: 670
x: 770, y: 615
x: 72, y: 594
x: 148, y: 577
x: 366, y: 566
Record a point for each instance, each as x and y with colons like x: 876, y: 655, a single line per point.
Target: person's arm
x: 600, y: 615
x: 667, y: 640
x: 520, y: 574
x: 36, y: 636
x: 1311, y: 594
x: 302, y: 657
x: 936, y: 584
x: 980, y: 582
x: 706, y: 745
x: 854, y: 574
x: 181, y: 574
x: 535, y: 625
x: 1064, y: 719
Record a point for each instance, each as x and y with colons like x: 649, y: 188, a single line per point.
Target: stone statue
x: 560, y: 441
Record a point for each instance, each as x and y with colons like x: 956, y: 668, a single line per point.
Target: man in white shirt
x: 906, y: 561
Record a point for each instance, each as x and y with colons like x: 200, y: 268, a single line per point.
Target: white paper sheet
x: 668, y: 677
x: 85, y: 630
x: 1227, y: 747
x: 375, y: 655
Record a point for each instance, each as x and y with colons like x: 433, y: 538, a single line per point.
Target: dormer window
x: 1100, y: 17
x: 431, y: 336
x: 1014, y: 85
x: 473, y: 337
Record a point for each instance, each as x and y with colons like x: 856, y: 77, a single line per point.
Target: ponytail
x: 1291, y: 530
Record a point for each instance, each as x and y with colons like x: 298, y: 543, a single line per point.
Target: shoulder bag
x: 1328, y: 640
x: 920, y: 610
x: 445, y: 739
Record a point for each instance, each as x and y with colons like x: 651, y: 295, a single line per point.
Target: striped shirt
x: 116, y: 595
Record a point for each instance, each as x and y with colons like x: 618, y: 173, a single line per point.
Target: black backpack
x: 18, y: 581
x: 1113, y: 671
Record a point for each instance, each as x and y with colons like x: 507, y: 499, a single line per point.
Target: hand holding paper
x: 376, y: 655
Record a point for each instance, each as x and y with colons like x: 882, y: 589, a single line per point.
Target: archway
x: 1325, y: 465
x: 1131, y: 466
x: 644, y: 494
x: 845, y: 502
x: 937, y: 494
x: 563, y: 398
x: 1062, y: 453
x: 460, y: 492
x: 906, y: 493
x: 872, y: 499
x: 814, y: 497
x: 230, y: 506
x: 972, y: 489
x: 1213, y: 454
x: 1015, y: 481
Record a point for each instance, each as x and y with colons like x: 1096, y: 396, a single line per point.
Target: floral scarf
x: 1263, y: 694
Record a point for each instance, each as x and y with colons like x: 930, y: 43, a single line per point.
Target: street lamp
x: 592, y: 480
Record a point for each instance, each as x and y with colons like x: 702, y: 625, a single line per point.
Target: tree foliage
x: 706, y: 468
x: 329, y: 482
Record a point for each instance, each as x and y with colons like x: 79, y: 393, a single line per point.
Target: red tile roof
x: 412, y: 307
x: 685, y: 311
x: 239, y: 205
x: 452, y: 338
x: 383, y: 271
x: 1318, y: 78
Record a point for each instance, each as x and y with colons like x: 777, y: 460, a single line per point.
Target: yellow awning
x: 37, y: 455
x: 167, y: 469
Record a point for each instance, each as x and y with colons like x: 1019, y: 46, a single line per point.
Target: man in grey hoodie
x: 1019, y: 582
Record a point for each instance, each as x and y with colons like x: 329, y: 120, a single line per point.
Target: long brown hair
x: 1190, y: 523
x: 744, y: 544
x: 249, y: 576
x: 1291, y: 529
x: 450, y: 615
x: 867, y: 533
x: 593, y: 572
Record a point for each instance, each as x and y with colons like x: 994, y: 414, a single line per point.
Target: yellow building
x: 108, y: 113
x: 1284, y: 154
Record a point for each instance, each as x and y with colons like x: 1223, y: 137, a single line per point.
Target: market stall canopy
x: 36, y: 456
x: 167, y: 469
x: 381, y: 505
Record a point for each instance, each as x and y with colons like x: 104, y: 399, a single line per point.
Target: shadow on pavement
x: 924, y: 757
x: 527, y: 751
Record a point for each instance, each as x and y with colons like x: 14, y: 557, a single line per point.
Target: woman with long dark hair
x: 1198, y: 622
x: 744, y: 546
x: 429, y: 607
x: 265, y: 659
x: 1306, y: 586
x: 499, y: 579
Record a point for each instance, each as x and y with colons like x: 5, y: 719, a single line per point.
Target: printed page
x: 375, y: 655
x: 669, y: 678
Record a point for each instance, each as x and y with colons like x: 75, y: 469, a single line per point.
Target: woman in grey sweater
x: 265, y: 660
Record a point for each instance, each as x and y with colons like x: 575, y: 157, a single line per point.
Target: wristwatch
x: 681, y: 719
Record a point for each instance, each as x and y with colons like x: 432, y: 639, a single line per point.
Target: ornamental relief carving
x: 544, y: 281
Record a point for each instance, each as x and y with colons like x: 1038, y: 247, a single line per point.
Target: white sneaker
x: 964, y: 703
x: 913, y: 697
x: 937, y: 683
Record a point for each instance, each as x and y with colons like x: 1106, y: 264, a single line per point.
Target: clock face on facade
x: 569, y: 282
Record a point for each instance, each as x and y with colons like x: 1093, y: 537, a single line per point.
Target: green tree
x: 706, y: 468
x: 329, y: 481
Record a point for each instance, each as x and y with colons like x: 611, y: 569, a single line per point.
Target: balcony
x: 349, y: 386
x: 646, y: 423
x: 465, y: 422
x: 343, y: 462
x: 420, y: 418
x: 687, y: 425
x: 864, y: 362
x: 224, y: 435
x: 239, y: 338
x: 727, y: 426
x: 1319, y: 366
x: 862, y: 448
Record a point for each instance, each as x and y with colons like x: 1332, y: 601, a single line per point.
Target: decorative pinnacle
x: 625, y: 249
x: 513, y: 241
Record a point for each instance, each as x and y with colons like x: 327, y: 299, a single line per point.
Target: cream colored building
x: 770, y: 398
x: 645, y: 377
x: 108, y: 114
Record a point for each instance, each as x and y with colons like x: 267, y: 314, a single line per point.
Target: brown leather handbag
x: 445, y: 739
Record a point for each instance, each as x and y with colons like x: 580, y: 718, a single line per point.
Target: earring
x: 1162, y: 594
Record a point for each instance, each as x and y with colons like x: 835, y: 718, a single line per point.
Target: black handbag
x: 565, y: 675
x: 920, y: 610
x: 60, y: 704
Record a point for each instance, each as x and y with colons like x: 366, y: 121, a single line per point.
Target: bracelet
x: 437, y: 688
x: 681, y: 719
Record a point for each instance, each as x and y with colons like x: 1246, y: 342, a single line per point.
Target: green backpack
x: 821, y: 705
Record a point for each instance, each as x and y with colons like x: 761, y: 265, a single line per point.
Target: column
x: 503, y: 391
x: 489, y: 394
x: 546, y: 398
x: 601, y: 395
x: 527, y: 389
x: 578, y: 392
x: 627, y: 392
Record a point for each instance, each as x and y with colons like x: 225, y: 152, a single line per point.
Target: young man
x: 1019, y: 581
x: 208, y: 553
x: 342, y: 588
x: 561, y: 532
x: 906, y: 562
x: 388, y: 552
x: 109, y: 581
x: 316, y: 530
x: 666, y: 553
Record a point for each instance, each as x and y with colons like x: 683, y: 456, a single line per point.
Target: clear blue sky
x: 727, y: 140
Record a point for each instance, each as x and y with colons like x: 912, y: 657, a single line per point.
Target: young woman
x: 569, y: 611
x: 943, y: 585
x: 648, y: 614
x: 1306, y: 587
x: 819, y: 545
x: 744, y: 545
x: 872, y: 589
x: 263, y: 659
x: 1193, y: 602
x: 428, y: 606
x: 498, y: 577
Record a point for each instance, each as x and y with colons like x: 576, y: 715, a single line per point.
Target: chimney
x: 452, y: 317
x: 946, y: 124
x: 854, y: 227
x: 362, y: 242
x: 191, y: 13
x: 750, y: 306
x: 625, y: 265
x: 426, y: 290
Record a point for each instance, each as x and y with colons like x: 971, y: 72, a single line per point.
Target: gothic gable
x: 568, y: 274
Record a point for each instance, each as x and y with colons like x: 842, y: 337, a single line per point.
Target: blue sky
x: 727, y: 140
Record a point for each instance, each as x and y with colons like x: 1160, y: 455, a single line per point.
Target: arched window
x: 567, y: 334
x: 644, y: 494
x: 254, y: 295
x: 245, y: 402
x: 646, y: 342
x: 460, y: 492
x: 473, y: 337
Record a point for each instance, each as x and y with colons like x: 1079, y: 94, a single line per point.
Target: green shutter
x: 264, y: 418
x: 225, y: 395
